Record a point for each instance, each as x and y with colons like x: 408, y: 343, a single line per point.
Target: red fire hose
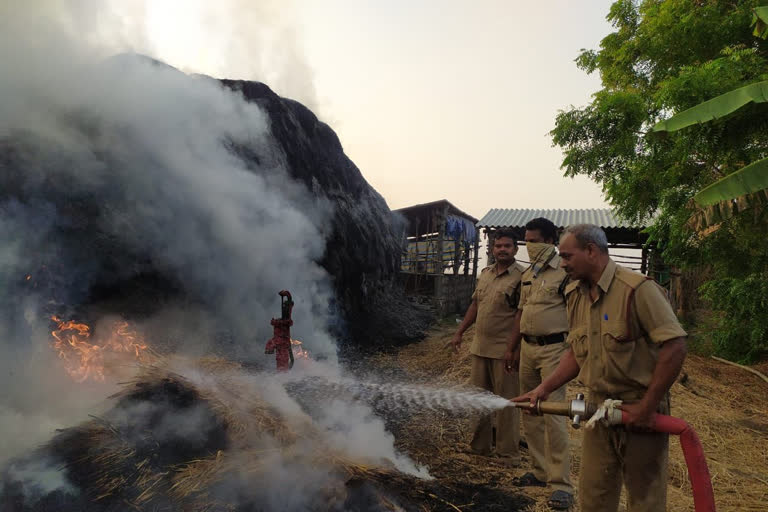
x: 698, y: 472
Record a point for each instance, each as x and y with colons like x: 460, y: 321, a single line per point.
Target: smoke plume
x: 124, y: 170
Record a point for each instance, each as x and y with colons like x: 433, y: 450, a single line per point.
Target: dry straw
x: 725, y: 405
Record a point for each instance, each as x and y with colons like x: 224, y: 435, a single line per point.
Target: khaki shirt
x: 616, y: 339
x: 496, y: 297
x: 542, y: 303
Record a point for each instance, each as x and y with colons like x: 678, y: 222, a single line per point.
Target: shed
x: 440, y: 257
x: 621, y: 234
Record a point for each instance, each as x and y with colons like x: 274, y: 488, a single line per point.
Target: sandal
x: 560, y: 500
x: 528, y: 480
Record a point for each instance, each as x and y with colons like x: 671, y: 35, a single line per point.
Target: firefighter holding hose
x: 625, y: 343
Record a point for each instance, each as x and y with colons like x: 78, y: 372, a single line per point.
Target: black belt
x: 549, y: 339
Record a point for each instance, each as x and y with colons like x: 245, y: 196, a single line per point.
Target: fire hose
x: 698, y: 473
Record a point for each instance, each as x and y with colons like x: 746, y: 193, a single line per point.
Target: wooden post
x: 489, y: 247
x: 456, y: 256
x: 441, y: 218
x: 468, y: 255
x: 475, y: 258
x: 644, y: 261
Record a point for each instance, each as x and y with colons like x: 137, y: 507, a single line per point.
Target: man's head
x: 504, y: 246
x: 541, y: 231
x: 583, y: 250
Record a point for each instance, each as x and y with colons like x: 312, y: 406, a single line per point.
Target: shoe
x: 528, y: 480
x: 560, y: 500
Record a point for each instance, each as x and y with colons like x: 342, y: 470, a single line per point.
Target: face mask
x: 538, y: 251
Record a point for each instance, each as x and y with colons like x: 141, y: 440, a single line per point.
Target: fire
x: 298, y: 351
x: 85, y: 358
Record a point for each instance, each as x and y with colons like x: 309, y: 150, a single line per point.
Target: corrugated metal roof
x: 518, y: 217
x: 441, y: 202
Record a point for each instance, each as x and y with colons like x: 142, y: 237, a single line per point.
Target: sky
x: 454, y: 100
x: 434, y: 99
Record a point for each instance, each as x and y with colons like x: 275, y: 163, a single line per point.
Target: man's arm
x: 670, y: 362
x: 658, y: 320
x: 469, y: 319
x: 567, y: 370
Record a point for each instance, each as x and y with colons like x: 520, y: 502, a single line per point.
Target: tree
x: 666, y: 57
x: 745, y: 188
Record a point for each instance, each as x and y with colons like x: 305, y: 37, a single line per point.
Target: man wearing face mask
x: 493, y: 309
x: 542, y: 325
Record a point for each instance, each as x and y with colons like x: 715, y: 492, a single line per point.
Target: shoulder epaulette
x: 633, y: 280
x: 630, y: 277
x: 570, y: 286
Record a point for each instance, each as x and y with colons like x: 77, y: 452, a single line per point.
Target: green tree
x: 665, y: 57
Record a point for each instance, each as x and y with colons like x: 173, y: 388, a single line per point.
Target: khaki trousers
x: 489, y: 374
x: 612, y: 456
x: 547, y: 435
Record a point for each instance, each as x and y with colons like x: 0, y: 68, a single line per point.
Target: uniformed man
x: 542, y: 324
x: 625, y: 344
x: 493, y: 308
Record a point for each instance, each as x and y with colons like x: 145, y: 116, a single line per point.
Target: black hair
x: 505, y: 233
x: 544, y: 226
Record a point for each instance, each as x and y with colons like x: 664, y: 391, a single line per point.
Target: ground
x: 726, y: 405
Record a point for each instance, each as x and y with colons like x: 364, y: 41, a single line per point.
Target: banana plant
x: 746, y: 188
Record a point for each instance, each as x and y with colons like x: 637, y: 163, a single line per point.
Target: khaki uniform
x: 496, y: 297
x: 616, y: 341
x: 543, y: 306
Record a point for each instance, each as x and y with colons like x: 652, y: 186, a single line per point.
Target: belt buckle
x: 541, y: 340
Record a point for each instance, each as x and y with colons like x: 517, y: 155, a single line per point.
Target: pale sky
x: 432, y: 99
x: 454, y: 100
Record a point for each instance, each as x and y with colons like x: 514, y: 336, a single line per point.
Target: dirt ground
x: 727, y: 406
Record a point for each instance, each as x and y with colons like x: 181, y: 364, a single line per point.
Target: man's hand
x: 455, y: 343
x: 511, y: 361
x: 639, y: 415
x: 533, y: 397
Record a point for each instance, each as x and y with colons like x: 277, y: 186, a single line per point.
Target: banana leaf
x: 715, y: 108
x: 760, y: 22
x: 749, y: 179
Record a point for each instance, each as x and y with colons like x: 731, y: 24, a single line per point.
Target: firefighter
x: 493, y: 308
x: 625, y: 343
x: 542, y: 325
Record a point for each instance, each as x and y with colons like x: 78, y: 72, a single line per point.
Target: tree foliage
x: 664, y: 57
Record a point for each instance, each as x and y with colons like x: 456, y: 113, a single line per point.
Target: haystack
x: 198, y: 436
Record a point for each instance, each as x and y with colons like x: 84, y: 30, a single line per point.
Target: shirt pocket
x: 510, y: 296
x: 621, y: 368
x: 482, y: 291
x: 616, y: 338
x: 577, y: 338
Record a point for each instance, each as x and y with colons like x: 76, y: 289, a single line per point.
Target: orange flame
x: 298, y: 351
x: 85, y: 359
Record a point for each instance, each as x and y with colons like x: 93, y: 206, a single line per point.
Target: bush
x: 740, y: 305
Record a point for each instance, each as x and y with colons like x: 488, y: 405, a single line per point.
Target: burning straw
x: 201, y: 436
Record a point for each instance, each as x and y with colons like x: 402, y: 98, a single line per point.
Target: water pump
x: 280, y: 342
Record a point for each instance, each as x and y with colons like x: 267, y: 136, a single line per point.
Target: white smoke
x: 155, y: 146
